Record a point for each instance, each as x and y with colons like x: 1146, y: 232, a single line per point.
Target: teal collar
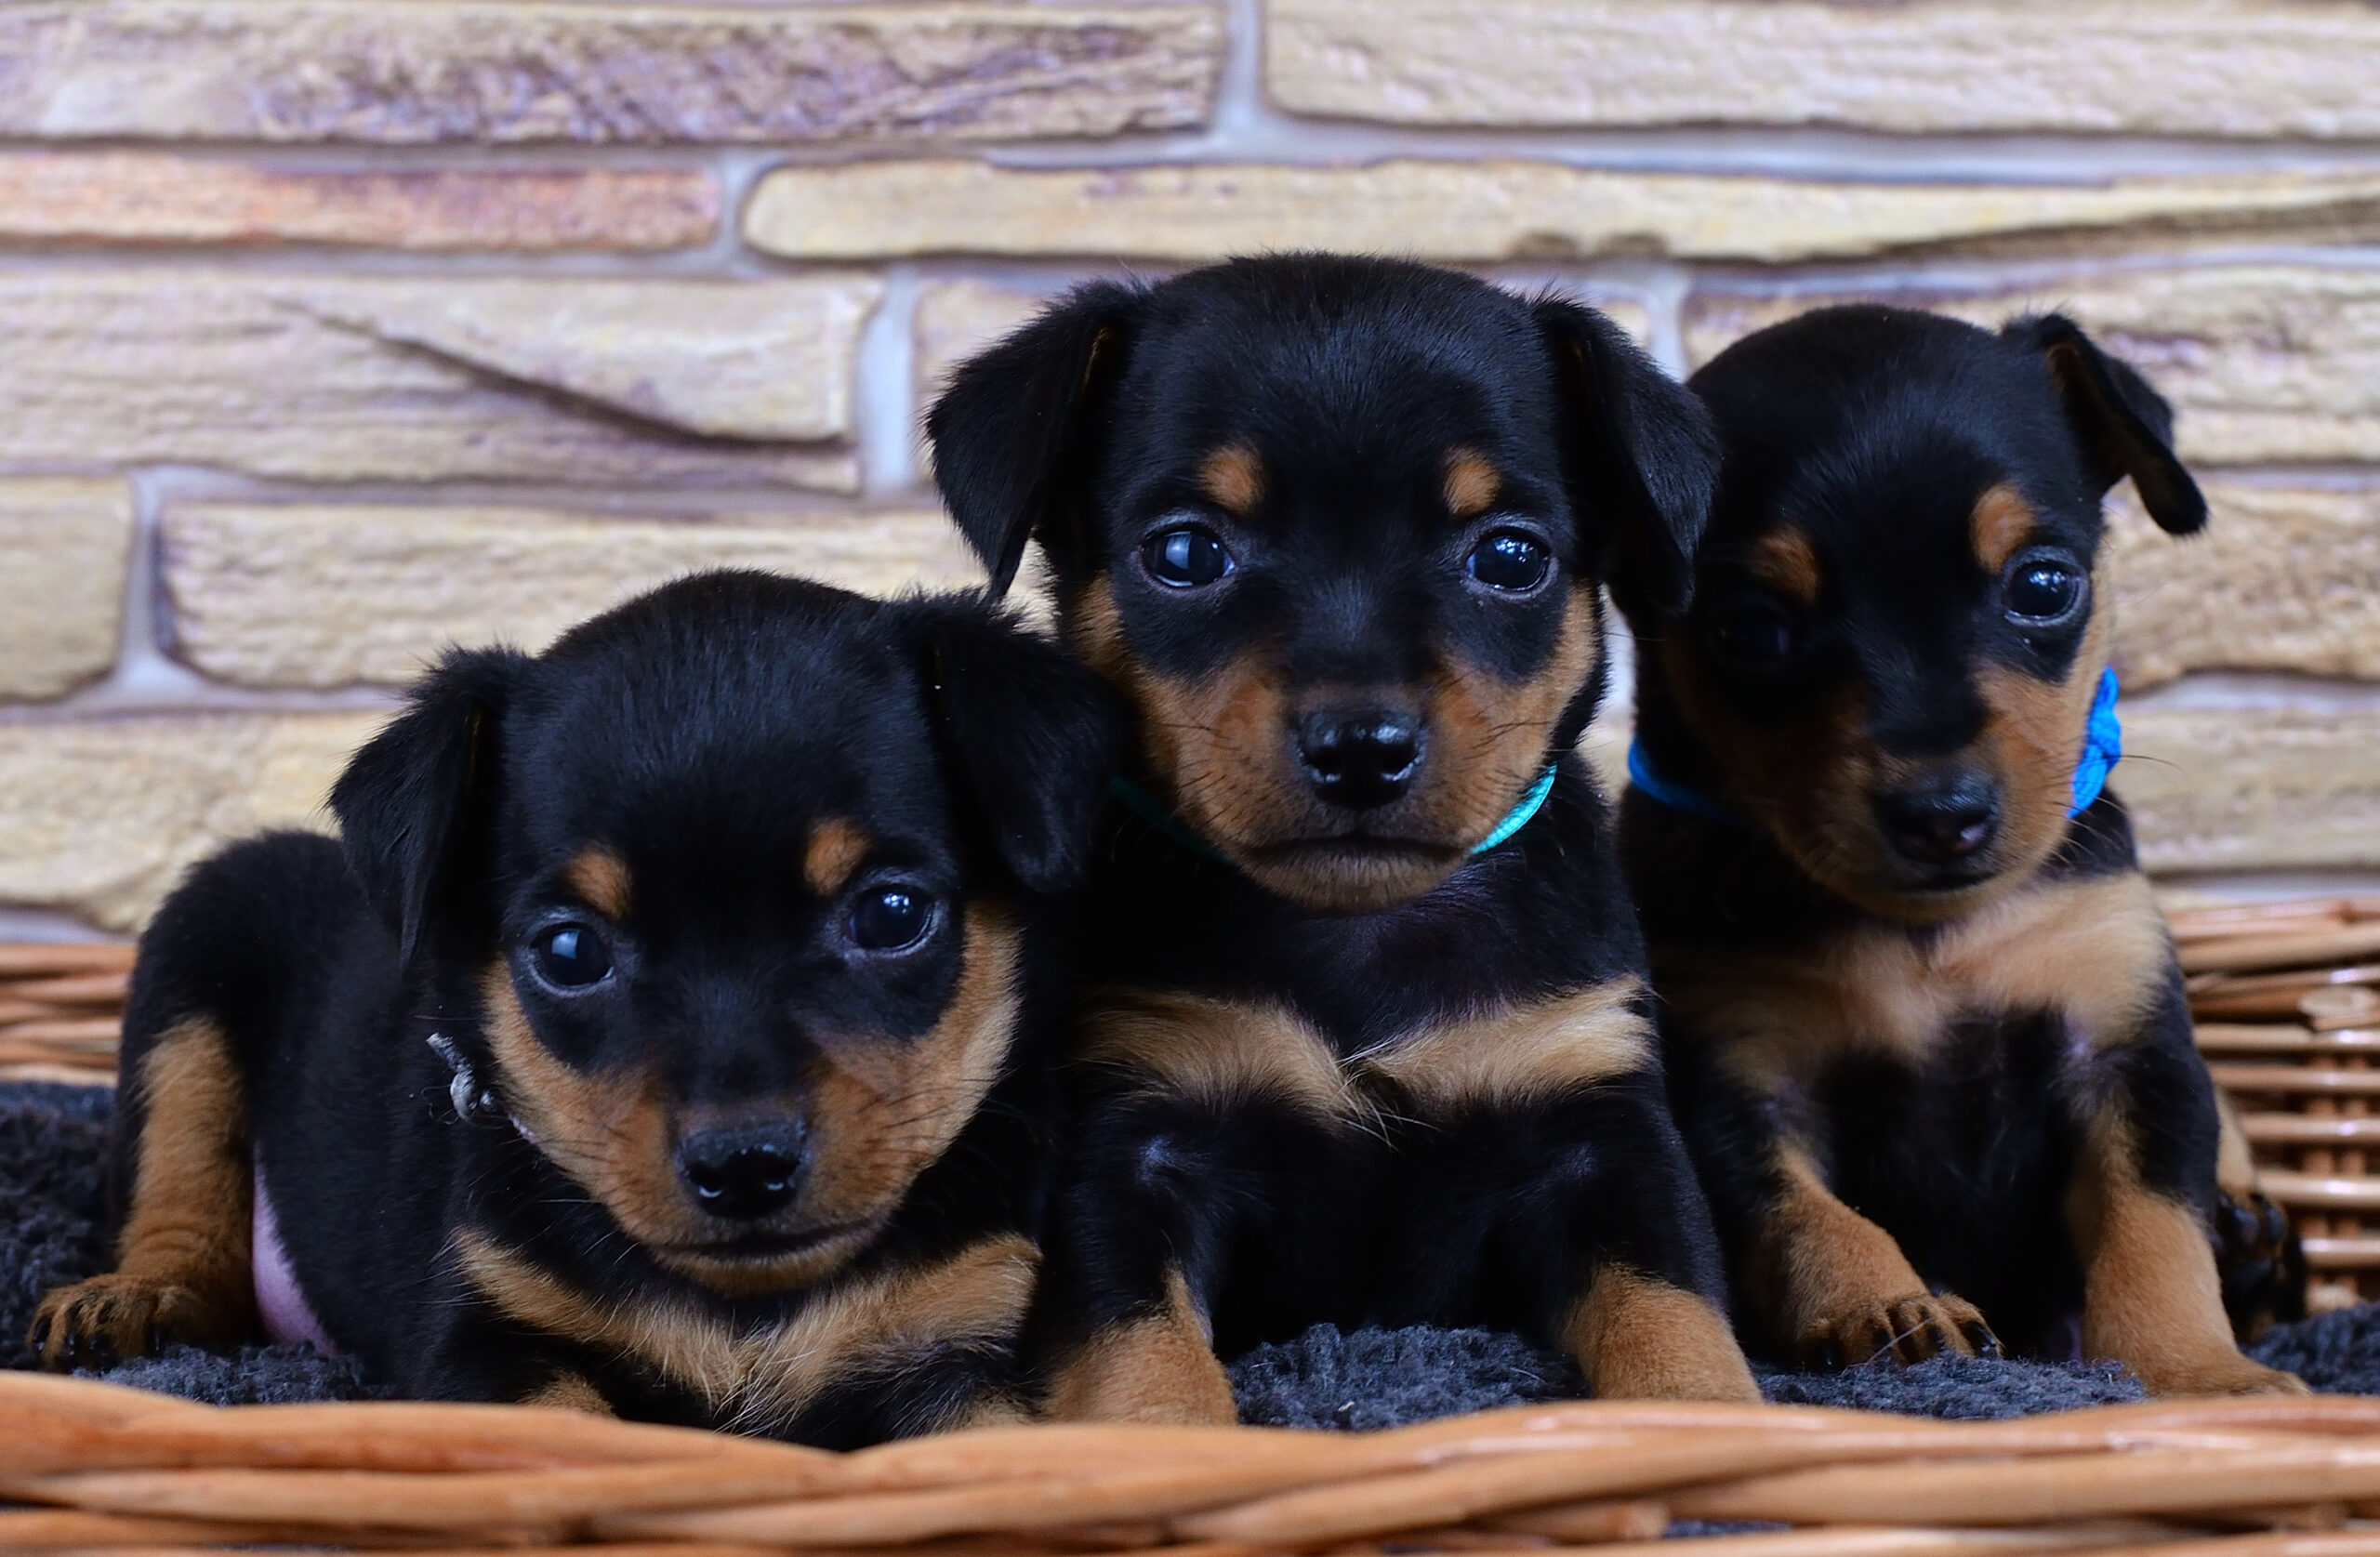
x: 1142, y: 804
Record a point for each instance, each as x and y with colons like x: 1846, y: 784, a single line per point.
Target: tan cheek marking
x: 570, y: 1391
x: 1638, y: 1339
x: 1217, y: 1051
x: 836, y: 848
x: 754, y: 1377
x: 2001, y: 523
x: 1526, y: 1055
x: 1816, y: 1261
x: 2034, y: 735
x: 1493, y: 735
x: 1160, y: 1369
x: 1787, y: 562
x: 1472, y: 483
x: 2150, y: 1296
x: 601, y: 879
x: 1233, y: 479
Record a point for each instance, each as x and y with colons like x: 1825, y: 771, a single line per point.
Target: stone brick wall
x: 334, y: 332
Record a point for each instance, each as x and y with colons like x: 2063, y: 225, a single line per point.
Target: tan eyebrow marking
x: 836, y: 849
x: 1472, y: 483
x: 1999, y: 525
x: 601, y: 878
x: 1233, y: 477
x: 1787, y: 562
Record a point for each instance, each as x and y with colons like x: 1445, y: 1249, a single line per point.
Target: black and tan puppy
x: 1924, y: 1025
x: 1366, y: 1037
x: 670, y: 1037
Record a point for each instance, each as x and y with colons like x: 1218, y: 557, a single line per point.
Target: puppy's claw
x: 1981, y: 1340
x: 113, y: 1318
x: 1909, y: 1329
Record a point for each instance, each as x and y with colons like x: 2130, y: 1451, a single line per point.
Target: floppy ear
x: 1030, y: 734
x: 2126, y: 427
x: 412, y: 803
x: 1640, y: 456
x: 1011, y: 435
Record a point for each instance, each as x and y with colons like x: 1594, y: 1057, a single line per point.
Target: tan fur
x: 2002, y: 522
x: 1787, y: 562
x: 836, y: 848
x: 1233, y: 479
x: 570, y: 1391
x: 1216, y: 1050
x: 2150, y: 1297
x: 182, y: 1262
x: 755, y: 1377
x: 601, y: 879
x: 1160, y: 1369
x: 2093, y: 949
x: 1522, y: 1055
x: 1472, y: 483
x: 880, y: 1111
x: 2235, y: 1166
x: 2032, y: 738
x: 1492, y: 735
x: 1638, y: 1339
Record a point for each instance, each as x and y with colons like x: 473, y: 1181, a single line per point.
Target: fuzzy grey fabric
x: 52, y: 1138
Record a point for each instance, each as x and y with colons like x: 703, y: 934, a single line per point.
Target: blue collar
x: 2102, y: 748
x: 1140, y: 803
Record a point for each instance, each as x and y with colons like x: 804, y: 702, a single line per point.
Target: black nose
x: 1940, y: 822
x: 1360, y: 758
x: 745, y: 1171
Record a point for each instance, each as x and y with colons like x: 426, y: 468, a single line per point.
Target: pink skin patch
x: 280, y: 1304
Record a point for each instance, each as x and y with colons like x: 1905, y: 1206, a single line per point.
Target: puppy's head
x: 733, y: 875
x: 1900, y: 625
x: 1335, y: 526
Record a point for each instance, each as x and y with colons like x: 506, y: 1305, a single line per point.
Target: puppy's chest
x: 2085, y: 957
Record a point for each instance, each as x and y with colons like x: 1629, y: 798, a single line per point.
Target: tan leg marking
x: 836, y: 848
x: 1217, y: 1051
x: 1827, y: 1284
x: 1161, y: 1369
x: 2151, y: 1298
x: 601, y: 879
x: 1638, y: 1339
x: 978, y: 1295
x: 182, y: 1265
x: 1525, y: 1055
x: 570, y: 1391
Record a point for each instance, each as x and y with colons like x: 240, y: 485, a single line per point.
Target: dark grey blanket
x: 51, y: 1138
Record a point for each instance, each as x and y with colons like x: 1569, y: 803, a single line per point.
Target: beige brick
x: 526, y: 70
x: 356, y: 377
x: 2284, y: 578
x: 101, y: 817
x: 67, y: 544
x: 310, y: 596
x: 958, y: 319
x: 1500, y: 209
x: 2262, y: 363
x: 2263, y: 789
x: 140, y: 197
x: 2229, y: 68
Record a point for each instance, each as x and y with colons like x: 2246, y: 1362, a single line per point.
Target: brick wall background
x: 332, y: 332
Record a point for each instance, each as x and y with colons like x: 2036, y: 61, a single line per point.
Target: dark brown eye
x: 1510, y: 562
x: 572, y: 957
x: 890, y: 919
x: 1189, y: 557
x: 2041, y: 591
x: 1754, y: 631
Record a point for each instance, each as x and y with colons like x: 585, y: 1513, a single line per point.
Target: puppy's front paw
x: 2226, y: 1373
x: 1913, y: 1328
x: 112, y: 1318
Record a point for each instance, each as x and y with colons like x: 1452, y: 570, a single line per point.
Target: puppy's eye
x: 1187, y: 558
x: 2041, y: 591
x: 1510, y: 560
x: 889, y: 919
x: 1755, y: 631
x: 572, y: 957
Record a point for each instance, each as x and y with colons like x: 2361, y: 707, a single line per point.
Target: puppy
x: 1925, y: 1029
x: 668, y: 1036
x: 1366, y: 1033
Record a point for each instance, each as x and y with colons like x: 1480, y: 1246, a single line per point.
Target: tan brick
x: 2262, y: 363
x: 2284, y: 578
x: 101, y: 817
x: 140, y: 197
x: 356, y: 377
x: 67, y: 545
x: 1499, y: 209
x: 2253, y: 789
x: 525, y: 70
x: 958, y: 319
x: 308, y: 596
x: 2232, y: 68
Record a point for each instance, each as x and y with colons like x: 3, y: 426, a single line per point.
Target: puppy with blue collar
x: 1925, y: 1027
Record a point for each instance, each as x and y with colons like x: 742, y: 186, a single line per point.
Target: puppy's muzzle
x: 1940, y: 822
x: 745, y: 1172
x: 1360, y: 758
